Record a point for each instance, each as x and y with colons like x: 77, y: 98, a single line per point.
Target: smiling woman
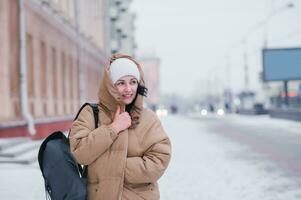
x: 125, y: 76
x: 129, y: 151
x: 127, y: 87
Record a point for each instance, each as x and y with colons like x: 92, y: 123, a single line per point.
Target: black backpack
x: 64, y: 178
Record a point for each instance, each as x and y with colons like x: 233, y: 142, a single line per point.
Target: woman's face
x: 127, y: 88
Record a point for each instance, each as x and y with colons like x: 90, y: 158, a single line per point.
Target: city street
x: 231, y: 157
x: 213, y: 72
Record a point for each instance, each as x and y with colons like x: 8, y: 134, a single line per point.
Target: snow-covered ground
x: 255, y: 121
x: 21, y: 182
x: 266, y: 120
x: 204, y: 166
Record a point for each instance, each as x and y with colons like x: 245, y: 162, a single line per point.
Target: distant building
x: 121, y: 27
x: 64, y: 50
x: 276, y: 94
x: 151, y: 67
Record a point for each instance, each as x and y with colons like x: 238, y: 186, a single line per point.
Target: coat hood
x: 108, y: 94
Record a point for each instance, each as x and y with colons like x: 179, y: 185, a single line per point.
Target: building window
x: 55, y: 79
x: 77, y: 97
x: 64, y: 79
x: 43, y: 68
x: 43, y: 76
x: 71, y: 84
x: 30, y: 66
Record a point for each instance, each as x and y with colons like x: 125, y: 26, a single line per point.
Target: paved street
x: 277, y: 140
x: 214, y: 158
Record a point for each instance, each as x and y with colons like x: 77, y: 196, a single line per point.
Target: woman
x: 129, y: 151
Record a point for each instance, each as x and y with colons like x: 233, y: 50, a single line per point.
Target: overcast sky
x: 193, y: 38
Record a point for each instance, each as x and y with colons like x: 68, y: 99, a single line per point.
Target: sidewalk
x: 18, y: 150
x: 21, y: 182
x: 204, y: 166
x: 19, y: 170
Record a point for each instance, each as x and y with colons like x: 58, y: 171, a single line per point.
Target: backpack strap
x: 94, y: 107
x: 84, y: 170
x: 95, y: 113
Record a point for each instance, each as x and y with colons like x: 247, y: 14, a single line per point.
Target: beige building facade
x: 64, y: 52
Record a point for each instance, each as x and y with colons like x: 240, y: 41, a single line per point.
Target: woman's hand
x: 121, y: 121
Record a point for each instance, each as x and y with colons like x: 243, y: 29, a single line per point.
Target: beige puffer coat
x: 126, y: 165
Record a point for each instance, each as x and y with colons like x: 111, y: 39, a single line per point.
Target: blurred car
x: 220, y: 111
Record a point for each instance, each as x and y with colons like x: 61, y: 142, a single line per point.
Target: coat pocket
x: 146, y: 191
x: 109, y: 188
x: 93, y: 189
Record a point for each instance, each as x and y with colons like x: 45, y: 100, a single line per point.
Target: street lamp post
x: 266, y: 21
x: 263, y: 23
x: 246, y: 66
x: 265, y: 43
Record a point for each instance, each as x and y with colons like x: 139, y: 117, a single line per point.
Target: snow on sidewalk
x: 21, y: 182
x: 266, y: 120
x: 206, y: 166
